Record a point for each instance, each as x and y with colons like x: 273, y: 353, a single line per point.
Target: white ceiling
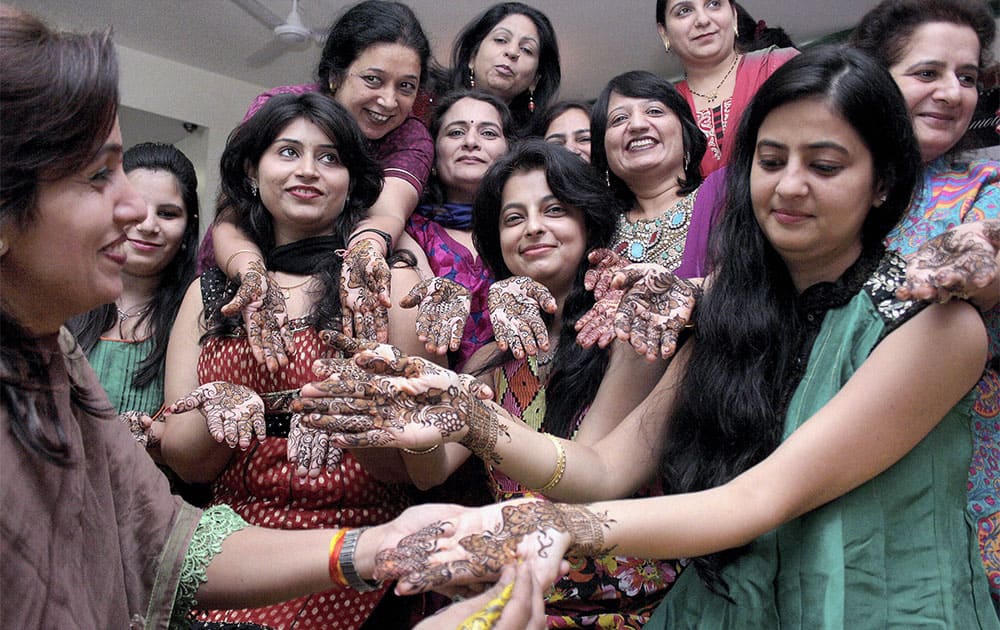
x: 597, y: 38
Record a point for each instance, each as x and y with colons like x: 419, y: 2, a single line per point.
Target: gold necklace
x: 286, y: 292
x: 715, y: 92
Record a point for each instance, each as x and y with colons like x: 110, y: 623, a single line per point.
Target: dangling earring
x: 472, y: 78
x: 253, y: 188
x: 687, y: 160
x: 531, y: 100
x: 333, y: 86
x: 666, y: 46
x: 607, y: 178
x: 736, y: 29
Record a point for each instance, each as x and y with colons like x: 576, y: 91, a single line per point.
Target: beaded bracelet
x: 385, y: 237
x: 346, y: 561
x: 336, y: 545
x: 557, y: 475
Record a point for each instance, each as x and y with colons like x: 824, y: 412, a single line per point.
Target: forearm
x: 390, y: 211
x: 429, y: 469
x: 190, y: 451
x: 233, y: 249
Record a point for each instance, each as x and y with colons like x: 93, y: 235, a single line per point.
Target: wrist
x: 484, y: 429
x: 382, y: 240
x: 243, y: 258
x: 357, y: 563
x: 586, y: 529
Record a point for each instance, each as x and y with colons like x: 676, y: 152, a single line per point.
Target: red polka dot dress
x: 263, y: 488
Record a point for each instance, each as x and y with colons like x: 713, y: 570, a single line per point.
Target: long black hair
x: 577, y: 371
x: 549, y: 74
x: 175, y: 276
x: 244, y: 148
x: 642, y: 84
x: 59, y: 99
x: 732, y: 400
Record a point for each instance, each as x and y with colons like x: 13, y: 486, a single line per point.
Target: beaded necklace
x: 660, y: 240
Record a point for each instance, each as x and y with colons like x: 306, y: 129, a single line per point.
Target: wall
x: 214, y: 102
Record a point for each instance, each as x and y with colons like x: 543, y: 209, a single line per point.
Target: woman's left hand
x: 444, y: 307
x: 474, y: 544
x: 310, y: 448
x: 234, y: 413
x: 364, y: 292
x: 962, y: 263
x: 264, y: 317
x: 655, y: 307
x: 146, y: 431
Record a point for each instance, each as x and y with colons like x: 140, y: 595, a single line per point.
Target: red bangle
x: 336, y: 544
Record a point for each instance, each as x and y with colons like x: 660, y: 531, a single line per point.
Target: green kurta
x: 897, y: 552
x: 116, y: 363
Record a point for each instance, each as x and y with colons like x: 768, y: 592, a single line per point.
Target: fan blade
x: 259, y: 12
x: 267, y: 53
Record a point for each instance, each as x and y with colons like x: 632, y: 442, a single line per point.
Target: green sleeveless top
x: 116, y: 363
x: 896, y: 552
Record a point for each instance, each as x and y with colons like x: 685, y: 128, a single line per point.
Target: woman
x: 934, y: 50
x: 126, y: 341
x: 509, y: 51
x: 298, y: 179
x: 116, y: 549
x: 649, y: 147
x: 471, y: 130
x: 719, y: 80
x: 814, y: 482
x: 567, y: 123
x: 373, y: 63
x: 539, y: 211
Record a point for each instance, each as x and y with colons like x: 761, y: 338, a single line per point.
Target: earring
x: 253, y: 188
x: 687, y: 160
x: 472, y: 78
x: 333, y: 86
x: 736, y: 28
x: 607, y: 178
x: 531, y: 100
x: 881, y: 200
x: 3, y: 247
x: 666, y: 46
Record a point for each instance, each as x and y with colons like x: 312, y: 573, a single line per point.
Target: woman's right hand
x: 515, y: 307
x: 515, y: 602
x: 264, y: 316
x: 234, y: 413
x: 146, y: 431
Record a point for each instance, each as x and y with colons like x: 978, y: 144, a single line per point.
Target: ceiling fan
x: 290, y: 33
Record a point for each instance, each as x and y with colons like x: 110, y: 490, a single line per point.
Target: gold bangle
x: 423, y: 452
x: 237, y: 253
x: 560, y: 470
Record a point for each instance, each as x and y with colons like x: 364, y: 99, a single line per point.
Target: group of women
x: 720, y: 402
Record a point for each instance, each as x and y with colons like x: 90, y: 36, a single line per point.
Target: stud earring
x: 472, y: 78
x: 531, y: 100
x: 881, y: 200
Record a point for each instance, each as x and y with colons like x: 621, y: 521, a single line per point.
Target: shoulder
x: 281, y: 89
x: 767, y: 60
x: 881, y: 288
x: 411, y: 132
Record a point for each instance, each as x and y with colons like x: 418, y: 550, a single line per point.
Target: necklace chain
x: 715, y: 92
x: 135, y: 311
x: 287, y: 291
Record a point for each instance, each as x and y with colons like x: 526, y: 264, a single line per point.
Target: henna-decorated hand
x: 474, y: 545
x: 383, y: 398
x: 444, y: 308
x: 235, y: 414
x: 264, y: 317
x: 310, y: 448
x: 654, y: 308
x: 364, y: 292
x: 146, y: 431
x: 961, y: 263
x: 515, y: 307
x: 597, y: 325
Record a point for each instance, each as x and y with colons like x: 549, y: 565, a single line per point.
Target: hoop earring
x: 531, y: 100
x: 472, y: 78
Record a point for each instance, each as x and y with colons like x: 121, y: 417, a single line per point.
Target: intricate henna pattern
x: 654, y: 309
x: 311, y: 449
x: 515, y: 307
x: 443, y: 309
x: 422, y: 562
x: 960, y: 263
x: 364, y: 292
x: 234, y: 413
x: 264, y: 317
x: 140, y: 426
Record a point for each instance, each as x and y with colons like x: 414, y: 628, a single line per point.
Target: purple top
x: 706, y: 210
x: 450, y: 259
